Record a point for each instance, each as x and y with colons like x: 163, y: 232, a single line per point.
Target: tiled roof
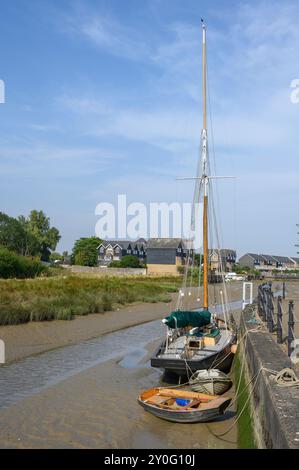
x: 164, y: 242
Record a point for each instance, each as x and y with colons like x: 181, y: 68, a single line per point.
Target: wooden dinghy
x: 212, y: 382
x: 182, y: 406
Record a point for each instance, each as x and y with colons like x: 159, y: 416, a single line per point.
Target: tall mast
x: 204, y: 143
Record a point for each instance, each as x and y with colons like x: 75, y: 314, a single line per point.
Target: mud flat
x: 97, y: 408
x: 33, y: 338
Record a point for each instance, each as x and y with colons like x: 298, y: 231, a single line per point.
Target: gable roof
x: 254, y: 256
x: 283, y: 259
x: 165, y: 243
x: 268, y: 258
x: 124, y: 244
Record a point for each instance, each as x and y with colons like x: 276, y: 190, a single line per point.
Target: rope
x: 285, y: 378
x: 255, y: 377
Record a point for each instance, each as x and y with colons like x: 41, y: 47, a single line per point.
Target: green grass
x: 246, y: 438
x: 64, y: 297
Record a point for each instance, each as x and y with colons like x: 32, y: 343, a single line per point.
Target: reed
x: 64, y: 297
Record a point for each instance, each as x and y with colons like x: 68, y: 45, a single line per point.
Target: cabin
x: 164, y: 255
x: 222, y: 260
x: 115, y: 250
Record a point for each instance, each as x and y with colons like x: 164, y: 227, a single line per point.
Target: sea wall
x: 102, y: 271
x: 275, y: 409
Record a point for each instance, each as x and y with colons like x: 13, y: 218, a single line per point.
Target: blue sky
x: 104, y: 98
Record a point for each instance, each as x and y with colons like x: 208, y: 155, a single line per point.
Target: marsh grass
x: 64, y: 297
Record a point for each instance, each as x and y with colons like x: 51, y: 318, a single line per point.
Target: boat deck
x: 176, y: 349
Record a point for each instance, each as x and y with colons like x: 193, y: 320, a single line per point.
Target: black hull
x: 203, y: 416
x: 221, y: 360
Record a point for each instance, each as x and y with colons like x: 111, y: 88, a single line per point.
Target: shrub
x: 17, y: 266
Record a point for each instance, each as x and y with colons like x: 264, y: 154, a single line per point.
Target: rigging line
x: 255, y: 379
x: 227, y: 297
x: 217, y: 235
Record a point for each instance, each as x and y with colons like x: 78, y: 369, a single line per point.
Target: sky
x: 104, y: 98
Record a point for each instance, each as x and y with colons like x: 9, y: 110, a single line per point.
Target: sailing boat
x: 197, y: 339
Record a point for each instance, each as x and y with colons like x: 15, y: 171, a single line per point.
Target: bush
x: 129, y: 261
x: 17, y: 266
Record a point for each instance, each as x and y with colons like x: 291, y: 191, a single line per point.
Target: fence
x: 270, y: 309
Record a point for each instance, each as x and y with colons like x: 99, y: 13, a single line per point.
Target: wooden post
x: 259, y: 301
x: 270, y: 311
x: 265, y: 306
x: 206, y: 254
x: 283, y: 290
x: 279, y: 320
x: 291, y: 324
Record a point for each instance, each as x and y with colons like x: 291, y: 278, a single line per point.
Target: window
x: 102, y: 250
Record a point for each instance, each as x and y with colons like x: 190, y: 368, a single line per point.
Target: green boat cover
x: 215, y: 332
x: 182, y: 319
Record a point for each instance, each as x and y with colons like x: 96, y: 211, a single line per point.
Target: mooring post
x: 259, y: 301
x: 265, y: 310
x: 283, y: 290
x: 279, y: 320
x: 270, y: 312
x: 291, y: 324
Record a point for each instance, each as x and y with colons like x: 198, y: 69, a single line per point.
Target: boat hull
x: 203, y: 416
x: 220, y: 360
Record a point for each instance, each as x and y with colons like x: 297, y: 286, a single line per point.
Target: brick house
x: 164, y: 255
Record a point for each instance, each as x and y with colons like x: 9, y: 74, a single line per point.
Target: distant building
x: 296, y: 262
x: 222, y: 260
x: 251, y: 260
x: 266, y: 262
x: 115, y: 250
x: 164, y: 255
x: 284, y: 262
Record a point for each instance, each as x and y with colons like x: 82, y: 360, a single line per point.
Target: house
x: 164, y: 255
x: 296, y: 261
x: 222, y: 260
x: 266, y: 262
x: 251, y: 260
x: 284, y: 262
x: 115, y: 250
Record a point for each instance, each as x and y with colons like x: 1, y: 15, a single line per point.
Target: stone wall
x: 102, y: 271
x: 276, y: 408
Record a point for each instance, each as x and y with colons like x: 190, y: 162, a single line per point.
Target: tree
x: 128, y: 261
x: 56, y: 257
x: 12, y: 234
x: 85, y: 251
x: 40, y: 235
